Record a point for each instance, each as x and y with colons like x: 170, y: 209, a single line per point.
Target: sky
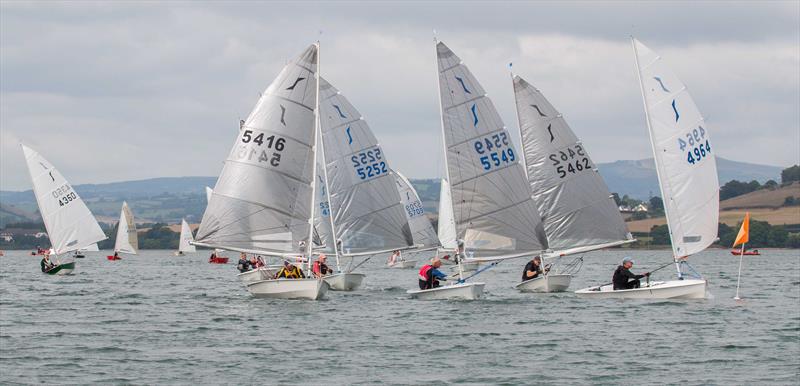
x: 114, y: 91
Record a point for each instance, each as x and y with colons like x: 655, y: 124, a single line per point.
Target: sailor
x: 394, y: 257
x: 320, y: 269
x: 243, y: 264
x: 290, y: 271
x: 430, y: 275
x: 533, y: 269
x: 212, y: 257
x: 259, y: 262
x: 253, y: 262
x: 625, y: 279
x: 46, y: 263
x: 116, y: 255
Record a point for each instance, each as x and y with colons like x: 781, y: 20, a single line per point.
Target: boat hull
x: 463, y: 291
x: 403, y: 264
x: 673, y: 289
x: 345, y: 281
x: 746, y: 253
x: 549, y: 283
x: 310, y: 289
x: 256, y: 275
x: 62, y: 269
x: 218, y: 260
x: 112, y: 258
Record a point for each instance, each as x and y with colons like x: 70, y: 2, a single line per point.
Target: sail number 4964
x: 696, y: 149
x: 262, y: 154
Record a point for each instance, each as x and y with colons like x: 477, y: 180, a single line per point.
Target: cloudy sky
x: 121, y: 90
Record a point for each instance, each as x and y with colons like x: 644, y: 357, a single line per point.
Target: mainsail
x: 364, y: 202
x: 185, y: 245
x: 421, y: 227
x: 69, y: 223
x: 684, y: 155
x: 447, y: 223
x: 209, y: 192
x: 492, y: 205
x: 323, y: 235
x: 127, y: 239
x: 577, y: 210
x: 262, y: 199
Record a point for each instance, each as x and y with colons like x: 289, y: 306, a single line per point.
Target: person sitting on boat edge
x: 625, y: 279
x: 320, y: 269
x: 394, y: 257
x: 116, y: 255
x: 46, y: 263
x: 243, y: 265
x: 259, y: 262
x: 533, y: 269
x: 290, y: 271
x: 430, y: 275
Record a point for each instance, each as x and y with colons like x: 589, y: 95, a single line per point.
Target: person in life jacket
x: 46, y: 263
x: 430, y: 275
x: 320, y: 269
x: 290, y: 271
x: 243, y: 265
x: 625, y: 279
x: 533, y: 269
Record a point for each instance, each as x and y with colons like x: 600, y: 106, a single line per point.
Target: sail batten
x: 265, y: 186
x: 683, y: 152
x: 578, y: 211
x: 69, y: 223
x: 491, y: 201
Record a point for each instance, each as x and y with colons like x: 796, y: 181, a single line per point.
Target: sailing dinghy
x: 687, y: 175
x: 186, y: 239
x: 69, y: 223
x: 421, y: 228
x: 81, y: 253
x: 263, y: 200
x: 578, y: 212
x: 127, y: 239
x: 494, y: 217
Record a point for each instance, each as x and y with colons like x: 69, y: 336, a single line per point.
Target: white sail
x: 90, y: 248
x: 577, y: 210
x: 70, y: 225
x: 684, y: 155
x: 262, y: 199
x: 447, y: 223
x: 421, y: 227
x: 492, y: 205
x: 323, y: 239
x: 209, y: 192
x: 364, y: 202
x: 184, y: 244
x: 127, y: 239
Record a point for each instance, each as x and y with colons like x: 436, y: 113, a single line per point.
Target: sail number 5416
x: 262, y: 154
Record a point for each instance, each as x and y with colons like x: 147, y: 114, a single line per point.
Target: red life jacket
x: 425, y: 272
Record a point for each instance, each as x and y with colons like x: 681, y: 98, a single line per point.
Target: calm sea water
x: 156, y: 318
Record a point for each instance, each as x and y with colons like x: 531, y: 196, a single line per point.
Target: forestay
x: 364, y: 202
x: 70, y: 225
x: 127, y: 239
x: 684, y: 155
x: 421, y: 227
x: 262, y: 199
x: 492, y: 205
x: 577, y: 209
x: 185, y: 245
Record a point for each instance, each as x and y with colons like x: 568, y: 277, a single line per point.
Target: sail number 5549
x: 503, y: 154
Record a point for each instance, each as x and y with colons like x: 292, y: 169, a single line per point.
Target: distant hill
x: 763, y: 198
x: 638, y: 178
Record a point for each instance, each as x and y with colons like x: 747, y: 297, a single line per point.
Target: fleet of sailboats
x: 306, y: 176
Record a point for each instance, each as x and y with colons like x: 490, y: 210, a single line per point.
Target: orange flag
x: 744, y: 231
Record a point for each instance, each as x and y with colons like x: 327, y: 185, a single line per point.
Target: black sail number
x: 261, y: 148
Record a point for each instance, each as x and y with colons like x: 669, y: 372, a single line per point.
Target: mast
x: 310, y: 241
x: 334, y: 238
x: 655, y: 156
x: 444, y: 150
x: 519, y: 124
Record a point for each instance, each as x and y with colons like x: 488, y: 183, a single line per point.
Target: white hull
x: 256, y: 275
x: 465, y: 291
x: 344, y: 281
x: 65, y: 271
x: 549, y: 283
x: 467, y: 266
x: 673, y: 289
x: 311, y: 289
x: 403, y: 264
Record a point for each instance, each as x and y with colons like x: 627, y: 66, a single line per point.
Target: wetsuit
x: 625, y: 279
x: 243, y: 265
x: 429, y: 277
x: 290, y: 273
x: 533, y: 267
x: 46, y: 265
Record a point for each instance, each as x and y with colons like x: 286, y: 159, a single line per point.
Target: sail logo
x: 661, y: 83
x: 474, y: 115
x: 298, y: 80
x: 550, y: 130
x: 463, y: 85
x: 675, y: 109
x: 339, y: 111
x: 538, y: 110
x: 283, y: 115
x: 349, y: 137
